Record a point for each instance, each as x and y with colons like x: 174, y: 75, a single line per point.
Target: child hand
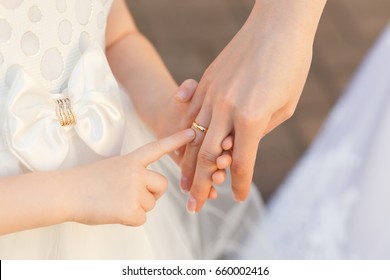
x: 223, y: 162
x: 121, y: 190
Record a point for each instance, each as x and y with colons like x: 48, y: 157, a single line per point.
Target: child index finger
x: 152, y: 152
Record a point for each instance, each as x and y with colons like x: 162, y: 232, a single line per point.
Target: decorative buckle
x: 64, y: 112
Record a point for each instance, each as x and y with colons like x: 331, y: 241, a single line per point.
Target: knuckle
x: 248, y: 118
x: 164, y: 184
x: 226, y: 103
x: 196, y: 143
x: 200, y: 194
x: 139, y: 220
x: 239, y: 169
x: 187, y: 167
x: 206, y: 158
x: 127, y: 215
x: 152, y: 204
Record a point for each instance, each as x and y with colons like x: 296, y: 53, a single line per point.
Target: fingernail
x: 184, y: 184
x: 191, y: 205
x: 236, y: 199
x: 177, y: 152
x: 181, y: 95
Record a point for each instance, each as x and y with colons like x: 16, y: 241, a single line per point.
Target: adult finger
x: 188, y: 165
x: 156, y: 183
x: 151, y: 152
x: 247, y: 138
x: 194, y: 107
x: 198, y: 102
x: 206, y: 165
x: 281, y: 116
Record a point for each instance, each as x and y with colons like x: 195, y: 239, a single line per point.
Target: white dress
x: 53, y: 67
x: 335, y: 204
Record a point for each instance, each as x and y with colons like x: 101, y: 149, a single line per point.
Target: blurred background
x: 190, y: 34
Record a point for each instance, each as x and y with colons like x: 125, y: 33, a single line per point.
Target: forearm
x: 138, y: 67
x: 31, y: 201
x: 298, y: 17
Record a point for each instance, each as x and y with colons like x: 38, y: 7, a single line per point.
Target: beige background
x: 189, y: 35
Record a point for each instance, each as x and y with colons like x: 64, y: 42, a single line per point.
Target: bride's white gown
x: 335, y: 204
x: 53, y: 49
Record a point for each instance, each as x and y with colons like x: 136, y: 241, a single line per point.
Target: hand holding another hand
x: 179, y: 113
x: 252, y: 87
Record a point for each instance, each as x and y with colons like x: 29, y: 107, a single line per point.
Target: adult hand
x: 175, y: 116
x: 252, y: 87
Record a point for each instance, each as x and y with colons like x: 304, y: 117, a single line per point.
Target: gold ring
x: 64, y: 112
x: 199, y: 127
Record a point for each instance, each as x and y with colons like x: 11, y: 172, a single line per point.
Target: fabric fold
x: 32, y: 127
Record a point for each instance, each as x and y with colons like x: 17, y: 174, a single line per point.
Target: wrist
x: 298, y: 18
x: 52, y: 206
x: 65, y: 201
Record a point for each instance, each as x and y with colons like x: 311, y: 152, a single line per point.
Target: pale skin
x: 253, y: 86
x: 108, y: 192
x: 139, y: 68
x: 119, y: 190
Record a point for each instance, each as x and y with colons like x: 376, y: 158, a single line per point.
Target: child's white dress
x: 53, y: 50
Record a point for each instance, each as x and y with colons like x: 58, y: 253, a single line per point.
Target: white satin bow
x: 33, y: 131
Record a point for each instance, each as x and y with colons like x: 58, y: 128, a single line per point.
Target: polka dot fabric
x: 47, y: 37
